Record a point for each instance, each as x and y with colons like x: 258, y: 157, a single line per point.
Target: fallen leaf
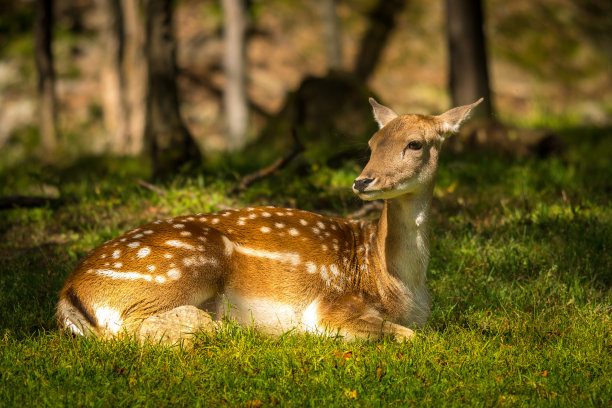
x: 351, y: 394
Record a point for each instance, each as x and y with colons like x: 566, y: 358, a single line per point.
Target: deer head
x: 404, y: 152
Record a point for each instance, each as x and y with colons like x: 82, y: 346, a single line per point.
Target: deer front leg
x: 174, y: 325
x: 351, y: 317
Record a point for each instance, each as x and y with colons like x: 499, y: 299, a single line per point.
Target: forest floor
x: 520, y: 279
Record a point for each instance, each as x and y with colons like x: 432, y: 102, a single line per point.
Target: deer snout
x: 361, y: 184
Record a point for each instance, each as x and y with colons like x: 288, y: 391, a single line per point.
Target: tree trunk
x: 46, y: 76
x: 469, y: 77
x: 170, y: 143
x: 331, y: 35
x: 112, y: 78
x: 382, y: 23
x: 135, y: 74
x: 234, y: 62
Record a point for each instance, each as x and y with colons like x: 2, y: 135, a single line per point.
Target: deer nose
x: 361, y: 184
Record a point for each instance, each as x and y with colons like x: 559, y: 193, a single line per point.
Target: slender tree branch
x: 278, y: 164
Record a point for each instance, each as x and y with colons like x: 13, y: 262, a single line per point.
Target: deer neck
x: 402, y: 236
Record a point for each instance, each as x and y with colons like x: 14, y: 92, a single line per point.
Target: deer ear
x: 382, y: 114
x: 451, y: 121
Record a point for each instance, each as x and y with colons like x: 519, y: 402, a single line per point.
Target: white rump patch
x: 179, y: 244
x: 310, y: 318
x: 142, y: 252
x: 109, y: 318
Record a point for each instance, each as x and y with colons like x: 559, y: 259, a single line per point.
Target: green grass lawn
x: 520, y: 278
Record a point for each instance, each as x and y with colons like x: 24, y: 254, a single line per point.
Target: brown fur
x: 281, y: 267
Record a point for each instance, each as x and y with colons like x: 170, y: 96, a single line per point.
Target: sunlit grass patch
x: 519, y: 276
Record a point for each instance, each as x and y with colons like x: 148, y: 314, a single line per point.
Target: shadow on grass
x: 30, y: 281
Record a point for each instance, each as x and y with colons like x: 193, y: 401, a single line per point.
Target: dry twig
x: 149, y: 186
x: 278, y: 164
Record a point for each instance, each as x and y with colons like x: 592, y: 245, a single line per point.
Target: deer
x: 278, y: 269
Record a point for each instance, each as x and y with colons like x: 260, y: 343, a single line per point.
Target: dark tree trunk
x: 135, y: 74
x: 382, y: 23
x: 112, y: 77
x: 46, y: 76
x: 170, y: 143
x: 234, y: 63
x: 469, y: 77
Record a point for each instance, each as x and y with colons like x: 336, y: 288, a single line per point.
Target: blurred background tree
x: 213, y: 82
x: 47, y: 104
x: 170, y: 144
x: 468, y: 65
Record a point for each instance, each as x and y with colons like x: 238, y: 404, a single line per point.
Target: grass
x: 520, y: 278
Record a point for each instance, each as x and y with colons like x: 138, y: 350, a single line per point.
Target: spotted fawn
x: 279, y: 268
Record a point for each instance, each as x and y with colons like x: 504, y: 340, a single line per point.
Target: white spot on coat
x: 287, y: 257
x: 311, y: 267
x: 122, y: 275
x: 134, y: 244
x: 334, y: 269
x: 142, y: 252
x: 179, y: 244
x: 174, y: 274
x: 265, y: 229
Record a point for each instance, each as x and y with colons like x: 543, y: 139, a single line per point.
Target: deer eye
x: 414, y: 145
